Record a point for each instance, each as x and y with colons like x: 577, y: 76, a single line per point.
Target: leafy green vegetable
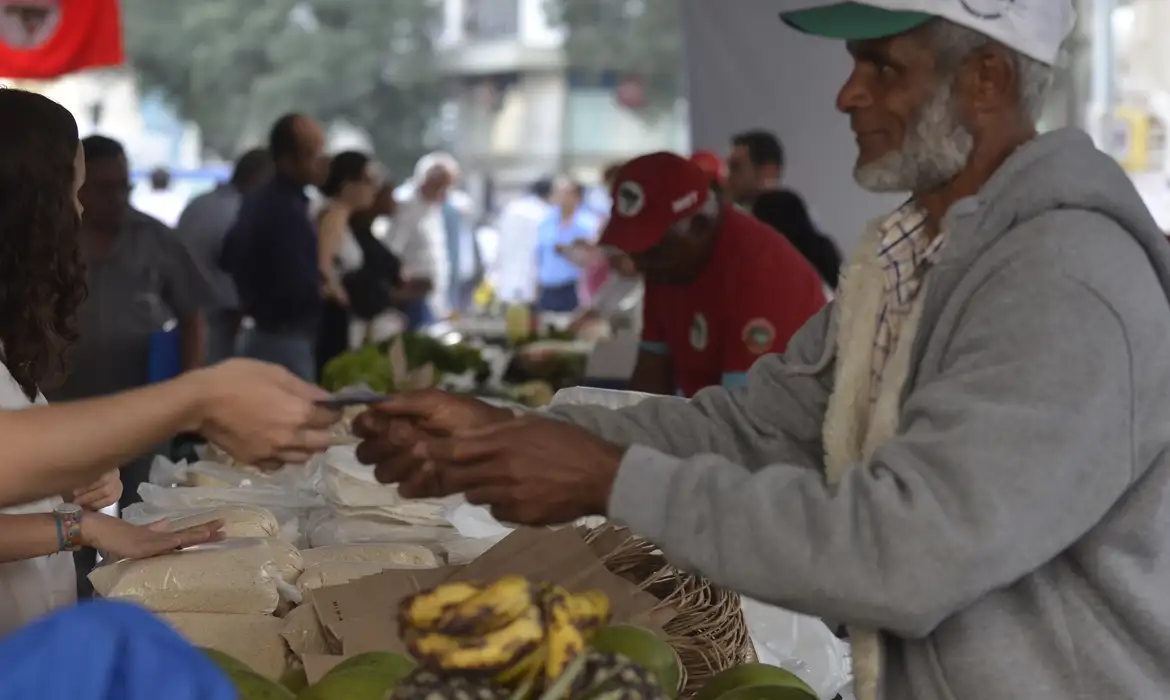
x: 370, y: 365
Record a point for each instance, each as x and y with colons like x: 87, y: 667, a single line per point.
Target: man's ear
x: 988, y: 81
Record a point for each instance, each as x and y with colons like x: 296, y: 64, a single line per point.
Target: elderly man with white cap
x: 966, y: 460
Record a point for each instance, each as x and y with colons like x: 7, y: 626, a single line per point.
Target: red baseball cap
x: 711, y: 164
x: 650, y: 194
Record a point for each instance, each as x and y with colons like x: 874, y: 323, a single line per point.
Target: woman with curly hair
x: 252, y: 409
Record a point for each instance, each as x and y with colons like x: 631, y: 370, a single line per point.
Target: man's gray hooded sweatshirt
x: 1013, y: 539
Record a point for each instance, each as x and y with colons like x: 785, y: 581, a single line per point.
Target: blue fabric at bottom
x: 293, y: 352
x: 562, y: 299
x: 106, y: 651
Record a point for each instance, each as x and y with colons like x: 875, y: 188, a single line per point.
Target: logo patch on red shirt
x: 699, y: 332
x: 758, y: 335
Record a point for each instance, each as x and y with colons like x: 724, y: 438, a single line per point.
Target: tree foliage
x: 233, y: 66
x: 632, y: 38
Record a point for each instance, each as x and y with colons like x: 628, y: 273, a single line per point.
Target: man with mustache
x: 966, y: 459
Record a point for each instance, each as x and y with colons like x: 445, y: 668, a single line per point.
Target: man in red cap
x: 722, y: 289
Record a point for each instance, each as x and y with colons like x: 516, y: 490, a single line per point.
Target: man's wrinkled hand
x: 390, y: 432
x: 529, y: 470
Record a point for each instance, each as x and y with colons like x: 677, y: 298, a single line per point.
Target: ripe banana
x: 492, y: 608
x: 563, y: 640
x: 589, y: 611
x: 526, y: 669
x: 489, y: 653
x: 422, y: 611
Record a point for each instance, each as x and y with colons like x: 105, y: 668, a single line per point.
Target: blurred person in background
x: 159, y: 198
x: 447, y: 224
x: 382, y: 265
x: 562, y: 248
x: 755, y: 169
x: 722, y: 289
x: 140, y: 279
x: 202, y: 228
x: 350, y: 187
x: 271, y: 251
x: 418, y: 237
x: 513, y: 272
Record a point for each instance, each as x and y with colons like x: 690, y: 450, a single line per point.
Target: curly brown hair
x: 42, y: 278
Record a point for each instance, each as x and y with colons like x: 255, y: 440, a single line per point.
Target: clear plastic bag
x: 245, y: 576
x: 240, y: 520
x: 202, y: 497
x: 801, y: 644
x: 352, y: 491
x: 389, y: 554
x: 327, y: 528
x: 212, y: 473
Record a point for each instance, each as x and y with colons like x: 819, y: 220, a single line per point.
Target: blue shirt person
x: 557, y: 273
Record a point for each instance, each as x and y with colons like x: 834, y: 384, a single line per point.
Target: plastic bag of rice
x: 255, y: 640
x: 244, y: 576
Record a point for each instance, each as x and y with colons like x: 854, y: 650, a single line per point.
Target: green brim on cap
x: 853, y: 21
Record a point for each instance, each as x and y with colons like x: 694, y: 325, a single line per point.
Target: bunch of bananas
x: 512, y: 631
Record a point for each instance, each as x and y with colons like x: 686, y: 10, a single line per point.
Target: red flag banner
x: 41, y: 39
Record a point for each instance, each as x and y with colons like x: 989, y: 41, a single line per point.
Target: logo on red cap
x: 630, y: 199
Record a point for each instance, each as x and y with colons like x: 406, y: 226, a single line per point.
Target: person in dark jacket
x: 754, y: 169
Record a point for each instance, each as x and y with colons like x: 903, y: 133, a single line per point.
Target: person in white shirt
x: 513, y: 271
x: 418, y: 236
x: 57, y: 464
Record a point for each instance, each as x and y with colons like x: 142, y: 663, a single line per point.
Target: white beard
x: 936, y: 149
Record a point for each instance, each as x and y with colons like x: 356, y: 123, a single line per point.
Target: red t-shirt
x: 754, y: 294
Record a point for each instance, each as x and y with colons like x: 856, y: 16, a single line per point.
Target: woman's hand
x: 121, y: 540
x: 260, y: 413
x: 101, y: 494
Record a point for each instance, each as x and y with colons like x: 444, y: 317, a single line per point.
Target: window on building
x: 491, y: 19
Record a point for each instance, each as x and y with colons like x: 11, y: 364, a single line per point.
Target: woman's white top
x: 31, y: 588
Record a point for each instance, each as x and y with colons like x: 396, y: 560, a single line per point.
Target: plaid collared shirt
x: 905, y: 254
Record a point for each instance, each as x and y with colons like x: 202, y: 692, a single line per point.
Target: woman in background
x: 350, y: 187
x: 55, y: 461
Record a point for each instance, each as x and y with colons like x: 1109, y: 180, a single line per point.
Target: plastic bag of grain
x: 244, y: 576
x: 327, y: 528
x: 351, y: 490
x: 391, y: 554
x: 333, y: 566
x: 240, y: 520
x: 255, y: 640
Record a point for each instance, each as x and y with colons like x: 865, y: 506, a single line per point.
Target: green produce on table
x: 295, y: 679
x: 371, y: 365
x: 252, y: 686
x: 644, y: 648
x: 747, y: 681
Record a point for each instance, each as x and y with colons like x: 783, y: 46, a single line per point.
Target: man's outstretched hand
x: 391, y: 431
x: 529, y: 470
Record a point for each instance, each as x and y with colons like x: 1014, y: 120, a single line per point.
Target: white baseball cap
x: 1035, y: 28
